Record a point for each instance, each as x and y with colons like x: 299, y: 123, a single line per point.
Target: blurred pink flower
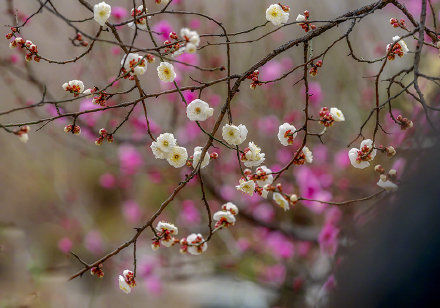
x: 264, y: 212
x: 130, y: 159
x: 89, y: 118
x: 311, y: 188
x: 164, y: 28
x: 271, y: 70
x: 315, y: 93
x: 14, y: 58
x: 153, y: 285
x: 194, y: 23
x: 119, y: 13
x: 328, y: 239
x: 132, y: 211
x: 268, y: 125
x: 303, y: 248
x: 107, y: 180
x: 341, y: 159
x: 65, y: 245
x: 279, y: 245
x: 188, y: 58
x: 93, y: 242
x: 189, y: 213
x: 275, y: 274
x: 243, y: 244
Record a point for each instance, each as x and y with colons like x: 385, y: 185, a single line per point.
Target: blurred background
x: 61, y: 193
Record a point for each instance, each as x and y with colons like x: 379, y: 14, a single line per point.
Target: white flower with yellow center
x: 247, y: 187
x: 281, y: 201
x: 157, y: 152
x: 386, y: 184
x: 276, y: 15
x: 199, y: 110
x: 177, y: 157
x: 101, y: 13
x: 165, y: 71
x: 337, y: 114
x: 190, y: 48
x: 234, y: 135
x: 286, y: 134
x: 230, y: 207
x: 300, y: 18
x: 123, y: 285
x: 196, y: 157
x: 308, y: 155
x: 166, y: 142
x: 253, y: 156
x: 190, y: 36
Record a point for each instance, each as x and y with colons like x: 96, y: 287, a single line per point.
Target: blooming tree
x: 275, y: 174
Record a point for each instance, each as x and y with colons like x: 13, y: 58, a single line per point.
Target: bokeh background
x: 61, y: 192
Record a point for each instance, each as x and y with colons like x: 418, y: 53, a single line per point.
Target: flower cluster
x: 165, y: 235
x: 78, y: 40
x: 398, y: 48
x: 97, y: 271
x: 76, y: 87
x: 304, y: 21
x: 286, y: 134
x: 398, y: 23
x: 226, y: 217
x: 199, y: 110
x: 104, y: 135
x: 256, y: 182
x: 404, y: 122
x: 252, y: 156
x: 126, y: 281
x: 101, y: 13
x: 141, y: 23
x: 22, y: 133
x: 279, y: 197
x: 360, y: 158
x: 193, y: 244
x: 31, y: 48
x: 328, y: 116
x: 135, y: 65
x: 234, y: 135
x: 101, y: 98
x: 165, y: 147
x: 165, y: 71
x: 277, y: 14
x: 386, y: 181
x: 76, y: 130
x: 192, y: 41
x: 195, y: 158
x: 254, y: 77
x: 313, y: 71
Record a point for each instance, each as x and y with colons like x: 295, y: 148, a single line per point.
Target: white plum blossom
x: 23, y: 137
x: 402, y: 44
x: 286, y: 134
x: 196, y: 244
x: 246, y: 186
x: 308, y: 155
x: 264, y: 176
x: 360, y: 158
x: 281, y: 201
x: 165, y: 71
x: 157, y: 152
x: 190, y: 48
x: 126, y: 281
x: 165, y: 142
x: 231, y: 207
x: 276, y: 15
x: 223, y: 218
x: 386, y: 184
x: 234, y: 135
x: 177, y: 157
x: 134, y: 63
x: 337, y: 114
x: 101, y: 13
x: 141, y: 23
x: 199, y: 110
x: 265, y: 191
x: 166, y: 232
x: 74, y: 86
x: 300, y: 18
x: 190, y: 36
x: 196, y: 157
x: 252, y: 156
